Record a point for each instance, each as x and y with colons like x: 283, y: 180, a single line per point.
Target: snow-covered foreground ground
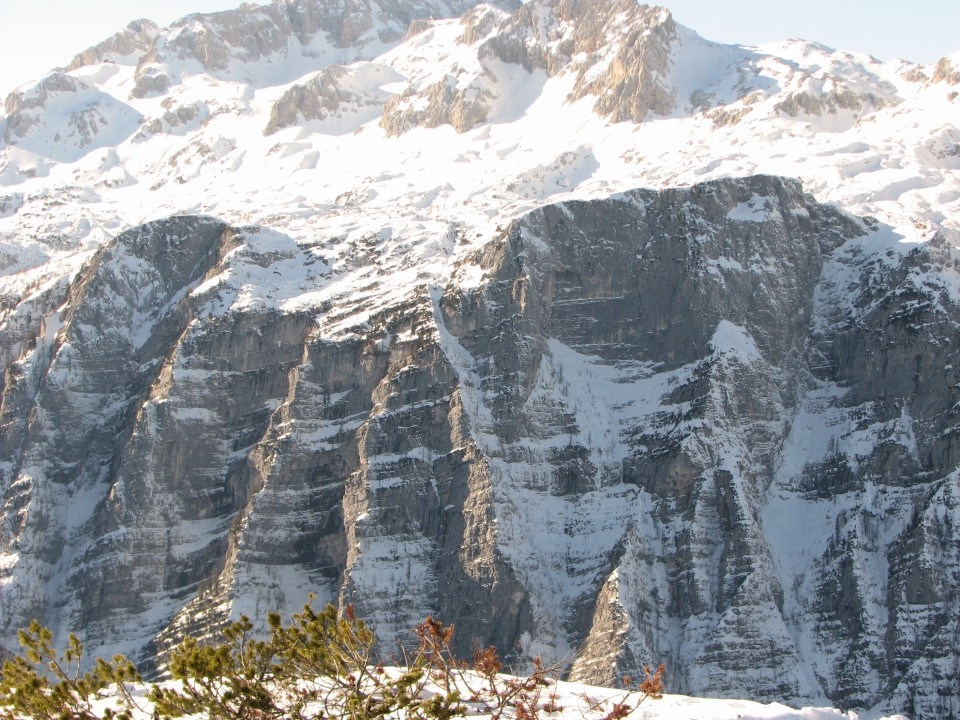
x: 577, y: 701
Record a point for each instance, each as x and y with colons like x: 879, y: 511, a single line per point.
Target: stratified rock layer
x: 713, y: 427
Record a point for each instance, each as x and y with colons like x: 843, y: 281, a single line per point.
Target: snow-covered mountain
x: 598, y: 339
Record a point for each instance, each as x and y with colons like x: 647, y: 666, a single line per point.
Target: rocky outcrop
x: 24, y: 110
x: 711, y: 427
x: 129, y: 44
x: 631, y: 84
x: 459, y: 95
x: 619, y: 51
x: 348, y: 30
x: 176, y: 118
x: 449, y: 101
x: 603, y: 42
x: 37, y: 120
x: 837, y: 99
x: 946, y: 71
x: 335, y: 93
x: 9, y: 204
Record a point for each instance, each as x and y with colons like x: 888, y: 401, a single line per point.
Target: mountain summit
x: 599, y: 340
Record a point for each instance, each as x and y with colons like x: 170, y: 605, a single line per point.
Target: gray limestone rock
x: 552, y: 36
x: 255, y: 33
x: 24, y: 109
x: 713, y: 427
x: 808, y: 103
x: 618, y: 51
x: 97, y: 120
x: 176, y: 118
x: 946, y: 72
x: 329, y: 95
x: 131, y: 42
x: 441, y: 103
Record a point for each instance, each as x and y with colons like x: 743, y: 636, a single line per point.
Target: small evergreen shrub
x: 322, y: 665
x: 48, y: 685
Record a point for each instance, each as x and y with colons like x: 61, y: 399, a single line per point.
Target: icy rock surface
x: 636, y: 438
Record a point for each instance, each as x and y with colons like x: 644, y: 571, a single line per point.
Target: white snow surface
x: 584, y: 702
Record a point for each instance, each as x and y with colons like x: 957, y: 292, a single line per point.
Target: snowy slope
x: 874, y: 138
x: 577, y: 701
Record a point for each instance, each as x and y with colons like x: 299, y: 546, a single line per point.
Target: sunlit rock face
x: 618, y: 52
x: 709, y: 427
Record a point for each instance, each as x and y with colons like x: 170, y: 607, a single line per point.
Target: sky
x: 38, y: 35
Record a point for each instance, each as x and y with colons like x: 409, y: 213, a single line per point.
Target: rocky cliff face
x: 128, y: 45
x: 346, y: 97
x: 713, y: 427
x: 618, y: 52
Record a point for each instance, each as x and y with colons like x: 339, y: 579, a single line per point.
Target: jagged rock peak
x: 637, y: 64
x: 619, y: 52
x: 619, y: 49
x: 127, y: 45
x: 348, y: 30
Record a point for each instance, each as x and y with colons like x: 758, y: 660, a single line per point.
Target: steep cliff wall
x: 713, y: 427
